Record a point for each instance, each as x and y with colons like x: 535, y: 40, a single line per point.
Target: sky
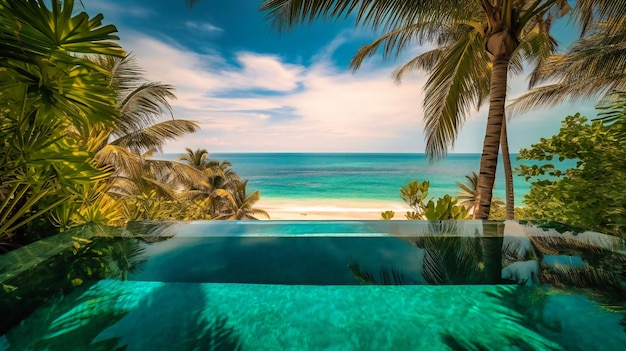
x: 253, y: 89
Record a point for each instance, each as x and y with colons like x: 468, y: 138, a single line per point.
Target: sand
x: 329, y: 209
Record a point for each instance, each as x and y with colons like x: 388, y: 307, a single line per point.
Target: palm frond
x: 155, y: 136
x: 554, y: 94
x: 592, y: 58
x: 197, y: 159
x: 176, y: 173
x: 434, y: 270
x: 458, y: 82
x: 124, y: 72
x: 535, y: 49
x: 590, y: 12
x: 162, y: 189
x: 126, y: 163
x: 123, y: 187
x: 594, y: 66
x: 423, y: 62
x: 143, y: 106
x: 396, y: 41
x: 285, y: 14
x: 467, y: 194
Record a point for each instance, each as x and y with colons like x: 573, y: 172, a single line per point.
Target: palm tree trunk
x: 491, y: 146
x: 508, y: 173
x: 492, y: 241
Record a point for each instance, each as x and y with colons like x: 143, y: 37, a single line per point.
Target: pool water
x: 336, y: 285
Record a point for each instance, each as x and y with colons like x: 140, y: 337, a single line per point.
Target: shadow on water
x: 174, y: 317
x: 112, y: 315
x: 85, y: 262
x: 460, y: 344
x: 92, y: 320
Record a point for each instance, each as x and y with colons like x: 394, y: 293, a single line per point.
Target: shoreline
x: 329, y: 209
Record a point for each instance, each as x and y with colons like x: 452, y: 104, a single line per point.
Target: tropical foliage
x: 48, y: 93
x: 223, y: 194
x: 415, y: 195
x: 78, y: 125
x: 591, y: 193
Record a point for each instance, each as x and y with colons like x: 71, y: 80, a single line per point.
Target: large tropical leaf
x: 30, y: 32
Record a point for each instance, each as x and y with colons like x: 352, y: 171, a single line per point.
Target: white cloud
x: 262, y: 116
x: 315, y: 108
x: 195, y: 74
x: 262, y: 71
x: 204, y: 26
x: 259, y: 102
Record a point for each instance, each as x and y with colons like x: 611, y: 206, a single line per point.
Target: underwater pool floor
x: 115, y: 314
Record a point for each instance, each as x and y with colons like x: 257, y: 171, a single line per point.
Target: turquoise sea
x: 367, y: 176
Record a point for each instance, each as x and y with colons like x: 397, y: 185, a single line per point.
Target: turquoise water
x: 356, y: 176
x: 322, y: 285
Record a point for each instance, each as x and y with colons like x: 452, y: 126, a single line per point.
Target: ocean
x: 356, y: 176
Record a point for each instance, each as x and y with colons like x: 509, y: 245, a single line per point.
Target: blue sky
x: 253, y: 89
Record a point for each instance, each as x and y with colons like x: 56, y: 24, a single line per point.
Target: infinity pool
x: 319, y: 285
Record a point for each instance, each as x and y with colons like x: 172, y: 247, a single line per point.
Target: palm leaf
x: 155, y: 136
x: 593, y: 67
x: 386, y: 15
x: 30, y: 31
x: 396, y: 40
x: 144, y: 105
x: 424, y: 62
x: 124, y: 72
x: 125, y: 162
x: 458, y: 82
x: 589, y: 12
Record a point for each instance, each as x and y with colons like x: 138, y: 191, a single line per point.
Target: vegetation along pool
x: 320, y: 285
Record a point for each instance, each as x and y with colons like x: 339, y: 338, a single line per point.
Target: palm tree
x: 139, y: 132
x: 197, y: 159
x: 467, y: 194
x: 508, y: 172
x: 459, y: 29
x: 141, y: 105
x: 222, y: 173
x: 236, y: 204
x: 444, y: 90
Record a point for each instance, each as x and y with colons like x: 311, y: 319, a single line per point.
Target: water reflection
x: 550, y: 270
x: 588, y: 262
x: 83, y: 257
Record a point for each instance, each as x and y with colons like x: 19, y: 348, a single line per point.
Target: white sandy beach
x: 329, y: 209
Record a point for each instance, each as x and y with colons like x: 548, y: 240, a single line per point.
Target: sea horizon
x: 361, y: 184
